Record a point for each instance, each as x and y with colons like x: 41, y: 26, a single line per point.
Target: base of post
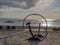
x: 36, y: 38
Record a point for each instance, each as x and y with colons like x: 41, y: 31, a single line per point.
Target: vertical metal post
x: 39, y: 29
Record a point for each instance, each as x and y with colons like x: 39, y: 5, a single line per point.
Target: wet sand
x: 53, y: 38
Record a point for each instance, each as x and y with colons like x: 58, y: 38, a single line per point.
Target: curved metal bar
x: 28, y: 23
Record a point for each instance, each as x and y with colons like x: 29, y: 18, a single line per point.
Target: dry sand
x: 53, y: 38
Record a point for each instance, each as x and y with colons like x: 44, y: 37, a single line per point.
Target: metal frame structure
x: 30, y: 30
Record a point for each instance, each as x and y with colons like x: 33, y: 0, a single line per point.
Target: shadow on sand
x: 33, y: 42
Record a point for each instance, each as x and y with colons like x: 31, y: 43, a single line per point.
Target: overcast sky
x: 20, y: 8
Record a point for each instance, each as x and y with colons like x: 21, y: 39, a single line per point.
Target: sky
x: 21, y: 8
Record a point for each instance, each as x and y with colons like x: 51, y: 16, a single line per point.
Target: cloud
x: 45, y: 3
x: 42, y: 5
x: 24, y: 4
x: 12, y: 8
x: 53, y: 7
x: 56, y: 3
x: 9, y: 9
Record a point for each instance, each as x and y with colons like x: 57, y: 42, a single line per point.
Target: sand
x: 53, y: 38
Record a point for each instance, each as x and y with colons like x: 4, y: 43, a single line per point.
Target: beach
x: 53, y: 38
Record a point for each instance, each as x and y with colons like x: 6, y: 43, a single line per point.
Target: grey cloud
x: 57, y: 3
x: 24, y: 4
x: 53, y: 6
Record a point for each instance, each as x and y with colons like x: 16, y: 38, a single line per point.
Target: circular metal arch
x: 40, y: 16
